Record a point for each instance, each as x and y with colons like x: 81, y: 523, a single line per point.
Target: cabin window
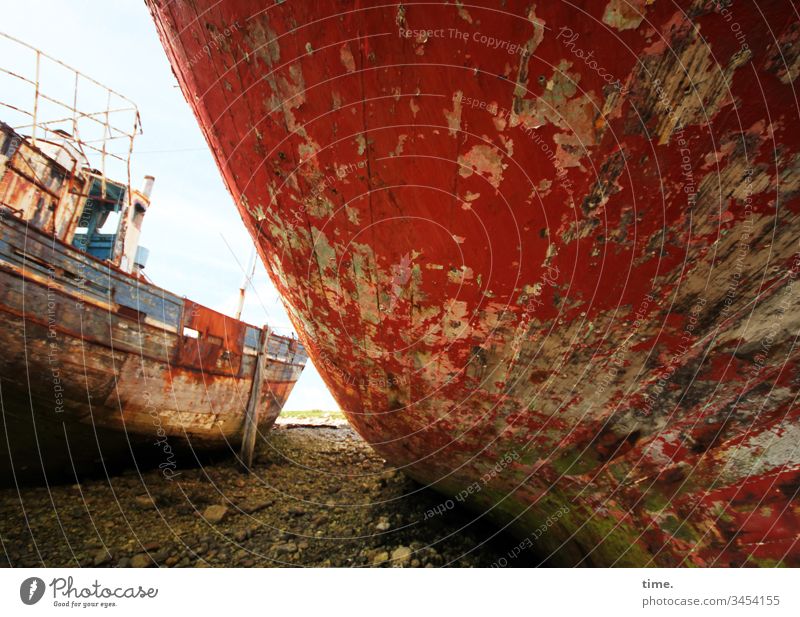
x: 99, y: 222
x: 190, y: 332
x: 111, y: 224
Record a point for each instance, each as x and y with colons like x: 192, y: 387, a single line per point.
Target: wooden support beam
x: 251, y: 414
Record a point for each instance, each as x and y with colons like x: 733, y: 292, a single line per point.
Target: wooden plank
x: 251, y: 415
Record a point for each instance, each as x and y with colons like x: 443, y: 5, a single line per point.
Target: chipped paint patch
x: 624, y: 14
x: 454, y: 116
x: 486, y: 161
x: 346, y: 57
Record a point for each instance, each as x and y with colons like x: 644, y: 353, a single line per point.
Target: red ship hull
x: 545, y: 258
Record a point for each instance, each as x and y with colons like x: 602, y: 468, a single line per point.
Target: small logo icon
x: 31, y: 590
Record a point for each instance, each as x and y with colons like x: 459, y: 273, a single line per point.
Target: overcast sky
x: 192, y: 229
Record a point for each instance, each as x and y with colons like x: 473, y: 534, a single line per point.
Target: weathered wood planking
x: 98, y: 364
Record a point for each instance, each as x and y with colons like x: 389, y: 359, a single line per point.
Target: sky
x: 198, y: 245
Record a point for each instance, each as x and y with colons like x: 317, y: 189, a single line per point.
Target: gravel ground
x: 318, y: 496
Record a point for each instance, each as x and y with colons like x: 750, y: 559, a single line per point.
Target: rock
x: 252, y: 506
x: 141, y: 560
x: 160, y: 556
x: 380, y: 558
x: 101, y: 558
x: 215, y: 514
x: 401, y: 555
x: 285, y: 549
x: 287, y: 530
x: 144, y: 502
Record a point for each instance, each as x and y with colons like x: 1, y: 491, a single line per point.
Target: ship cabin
x: 51, y: 186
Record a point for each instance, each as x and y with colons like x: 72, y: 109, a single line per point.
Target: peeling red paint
x: 650, y: 387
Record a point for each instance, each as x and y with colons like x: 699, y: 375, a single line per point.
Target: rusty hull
x: 101, y: 369
x: 545, y: 256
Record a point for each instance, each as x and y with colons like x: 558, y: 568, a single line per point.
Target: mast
x: 248, y: 278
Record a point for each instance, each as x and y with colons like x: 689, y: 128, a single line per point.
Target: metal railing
x: 85, y: 113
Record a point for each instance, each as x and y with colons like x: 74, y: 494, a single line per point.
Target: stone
x: 141, y: 560
x: 161, y: 555
x: 144, y: 502
x: 380, y: 558
x: 252, y: 506
x: 286, y: 549
x: 215, y: 514
x: 124, y: 562
x: 101, y: 558
x: 383, y: 525
x: 401, y: 555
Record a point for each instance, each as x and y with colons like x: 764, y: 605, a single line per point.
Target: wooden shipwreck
x: 99, y: 367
